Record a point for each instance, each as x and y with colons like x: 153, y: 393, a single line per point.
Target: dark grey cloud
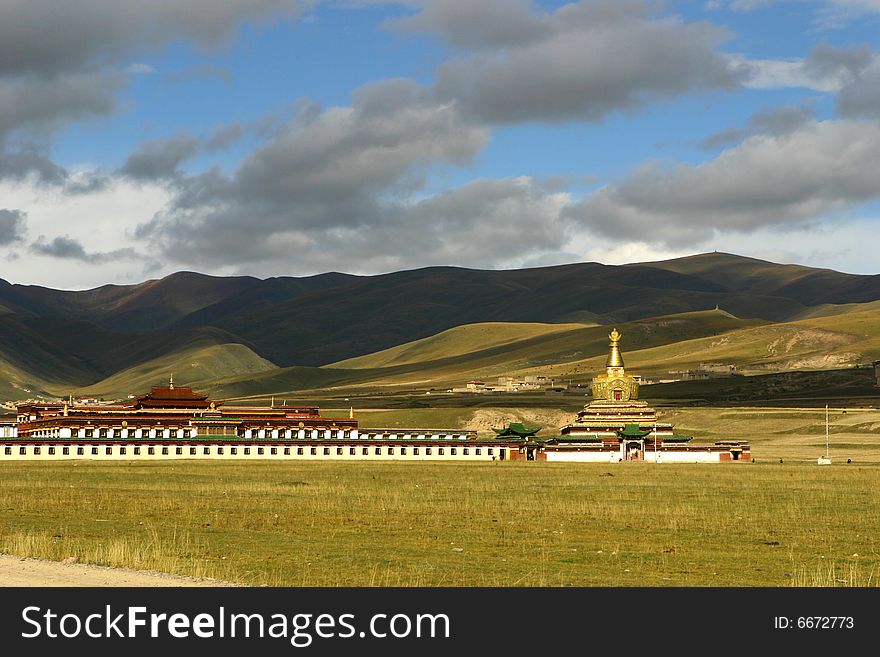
x: 827, y: 61
x: 344, y: 176
x: 349, y: 182
x: 12, y: 225
x: 852, y: 73
x: 224, y: 137
x: 40, y: 104
x: 861, y: 97
x: 483, y: 24
x: 330, y: 161
x: 159, y: 159
x: 482, y: 223
x: 817, y: 171
x: 858, y: 72
x: 60, y: 247
x: 581, y: 62
x: 59, y: 61
x: 47, y: 37
x: 776, y: 121
x: 29, y: 162
x: 69, y: 248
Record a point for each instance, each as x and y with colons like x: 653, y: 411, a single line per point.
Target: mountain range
x: 241, y: 335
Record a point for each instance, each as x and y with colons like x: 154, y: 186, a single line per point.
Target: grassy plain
x: 493, y: 524
x: 496, y: 524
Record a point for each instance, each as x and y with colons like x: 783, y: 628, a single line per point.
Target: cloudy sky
x: 293, y: 137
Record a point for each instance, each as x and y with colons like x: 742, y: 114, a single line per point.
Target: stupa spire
x: 614, y: 357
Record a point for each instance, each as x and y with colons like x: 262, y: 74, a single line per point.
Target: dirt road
x: 15, y: 571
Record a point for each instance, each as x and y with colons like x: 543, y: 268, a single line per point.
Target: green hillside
x: 32, y: 359
x: 194, y: 367
x: 16, y: 383
x: 552, y: 353
x: 834, y: 309
x: 543, y: 348
x: 817, y: 343
x: 289, y: 381
x: 457, y: 341
x: 574, y: 352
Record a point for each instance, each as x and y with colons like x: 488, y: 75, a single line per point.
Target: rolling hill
x: 456, y: 356
x: 436, y: 324
x: 458, y: 341
x: 196, y: 367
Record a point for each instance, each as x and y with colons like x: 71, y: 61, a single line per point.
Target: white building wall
x: 603, y: 456
x: 701, y: 456
x: 111, y: 452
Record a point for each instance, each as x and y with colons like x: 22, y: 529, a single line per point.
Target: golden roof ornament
x: 614, y: 357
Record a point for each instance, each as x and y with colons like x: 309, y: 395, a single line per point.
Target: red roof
x: 170, y: 397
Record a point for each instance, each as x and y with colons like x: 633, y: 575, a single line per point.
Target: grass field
x: 494, y: 524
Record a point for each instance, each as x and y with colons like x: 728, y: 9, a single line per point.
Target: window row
x: 249, y: 434
x: 248, y: 451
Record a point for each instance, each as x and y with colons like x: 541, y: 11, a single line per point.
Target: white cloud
x: 102, y: 221
x: 139, y: 68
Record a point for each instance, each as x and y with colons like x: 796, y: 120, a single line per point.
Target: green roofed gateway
x: 632, y: 431
x: 517, y: 430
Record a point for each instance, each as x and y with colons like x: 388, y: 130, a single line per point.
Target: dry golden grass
x: 493, y: 524
x: 791, y: 434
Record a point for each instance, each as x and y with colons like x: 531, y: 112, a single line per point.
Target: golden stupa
x: 615, y: 385
x: 615, y: 403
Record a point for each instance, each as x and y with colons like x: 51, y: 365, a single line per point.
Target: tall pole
x: 826, y: 431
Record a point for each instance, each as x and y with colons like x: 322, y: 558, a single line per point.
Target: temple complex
x: 176, y: 422
x: 616, y: 426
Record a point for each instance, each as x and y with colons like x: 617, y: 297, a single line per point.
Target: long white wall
x: 286, y: 451
x: 584, y: 457
x: 606, y: 456
x: 701, y: 456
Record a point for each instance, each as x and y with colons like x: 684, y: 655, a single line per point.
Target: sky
x: 295, y: 137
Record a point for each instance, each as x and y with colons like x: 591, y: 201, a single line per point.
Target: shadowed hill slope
x: 805, y: 285
x: 435, y: 319
x: 379, y: 312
